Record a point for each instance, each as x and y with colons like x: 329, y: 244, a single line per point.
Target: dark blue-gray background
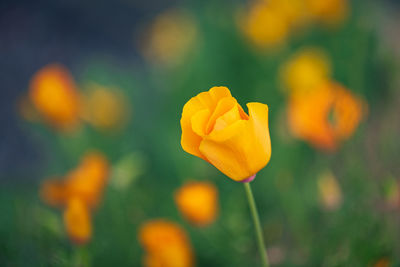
x: 35, y: 33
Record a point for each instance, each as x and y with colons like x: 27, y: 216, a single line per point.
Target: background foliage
x: 298, y: 230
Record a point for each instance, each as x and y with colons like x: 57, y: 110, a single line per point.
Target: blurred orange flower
x: 265, y: 24
x: 77, y: 221
x: 198, y: 202
x: 86, y: 182
x: 170, y: 37
x: 78, y: 192
x: 326, y: 116
x: 268, y: 23
x: 54, y: 94
x: 384, y: 262
x: 306, y: 70
x: 330, y: 12
x: 166, y: 245
x: 105, y: 108
x: 216, y: 129
x: 292, y: 10
x: 329, y: 191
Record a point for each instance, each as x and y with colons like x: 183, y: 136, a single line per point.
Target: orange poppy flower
x: 86, y: 182
x: 265, y: 24
x: 198, y: 202
x: 54, y: 94
x: 166, y: 244
x: 216, y: 129
x: 77, y: 194
x: 383, y: 262
x: 330, y: 12
x: 77, y: 221
x: 325, y: 116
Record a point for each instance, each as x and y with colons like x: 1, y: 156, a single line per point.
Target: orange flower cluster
x: 78, y: 193
x: 198, y: 202
x: 54, y: 95
x: 320, y: 111
x: 166, y: 245
x: 268, y: 23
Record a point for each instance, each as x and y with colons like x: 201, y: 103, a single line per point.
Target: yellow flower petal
x: 223, y: 106
x: 228, y: 118
x: 199, y: 121
x: 211, y: 98
x: 247, y: 148
x: 190, y: 141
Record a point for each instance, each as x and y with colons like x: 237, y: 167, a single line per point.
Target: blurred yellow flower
x: 306, y: 70
x: 54, y: 94
x: 329, y: 191
x: 198, y: 202
x: 216, y: 129
x: 78, y: 193
x: 268, y: 23
x: 166, y: 245
x: 170, y: 37
x: 105, y: 108
x: 325, y: 116
x: 77, y: 221
x: 330, y: 12
x: 265, y: 24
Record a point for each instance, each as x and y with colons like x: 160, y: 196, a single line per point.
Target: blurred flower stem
x: 81, y: 257
x: 257, y: 225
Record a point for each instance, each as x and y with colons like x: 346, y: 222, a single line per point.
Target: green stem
x: 257, y: 225
x: 81, y: 257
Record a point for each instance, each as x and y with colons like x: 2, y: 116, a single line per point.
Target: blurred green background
x: 107, y: 44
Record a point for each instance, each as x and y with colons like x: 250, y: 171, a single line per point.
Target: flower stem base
x: 257, y: 225
x: 248, y: 180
